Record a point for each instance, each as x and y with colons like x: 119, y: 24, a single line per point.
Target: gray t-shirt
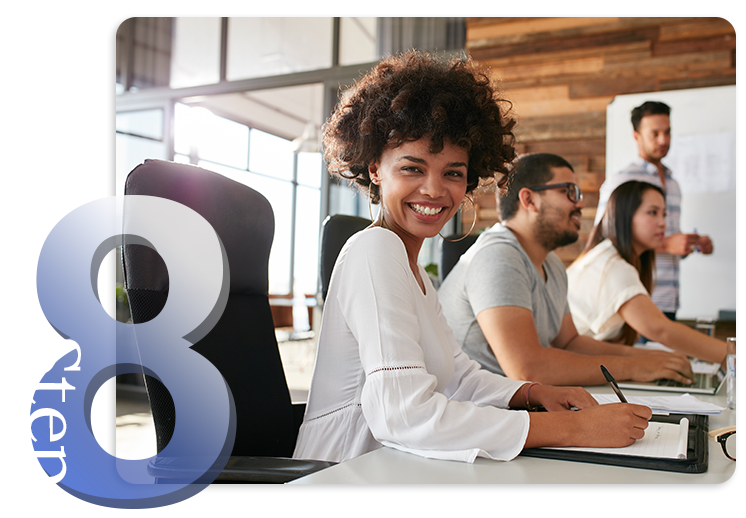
x: 496, y: 271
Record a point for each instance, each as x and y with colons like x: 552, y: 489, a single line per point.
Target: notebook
x: 672, y: 443
x: 661, y: 440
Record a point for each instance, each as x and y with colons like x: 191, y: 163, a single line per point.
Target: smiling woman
x: 419, y: 190
x: 417, y: 134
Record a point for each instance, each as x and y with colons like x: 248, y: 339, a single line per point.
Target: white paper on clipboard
x: 661, y: 440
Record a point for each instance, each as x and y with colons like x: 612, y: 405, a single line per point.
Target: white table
x: 390, y: 466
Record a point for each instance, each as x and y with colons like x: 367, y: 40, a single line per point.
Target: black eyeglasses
x: 727, y: 439
x: 573, y: 191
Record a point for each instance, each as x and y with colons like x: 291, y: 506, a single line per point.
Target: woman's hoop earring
x: 380, y: 209
x: 474, y: 222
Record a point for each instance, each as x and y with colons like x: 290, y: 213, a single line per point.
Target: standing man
x: 506, y: 298
x: 652, y: 131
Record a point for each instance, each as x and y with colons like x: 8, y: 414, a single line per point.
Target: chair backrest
x: 335, y: 231
x: 451, y: 251
x: 242, y: 345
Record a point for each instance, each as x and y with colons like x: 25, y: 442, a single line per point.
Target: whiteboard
x: 702, y: 159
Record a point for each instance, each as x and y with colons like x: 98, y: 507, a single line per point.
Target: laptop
x: 708, y: 378
x: 704, y: 383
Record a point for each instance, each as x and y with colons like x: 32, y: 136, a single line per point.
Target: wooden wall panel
x: 561, y: 73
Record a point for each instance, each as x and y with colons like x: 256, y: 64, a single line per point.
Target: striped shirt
x: 666, y: 292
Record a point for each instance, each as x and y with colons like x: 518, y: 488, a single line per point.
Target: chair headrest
x: 335, y: 231
x: 242, y: 218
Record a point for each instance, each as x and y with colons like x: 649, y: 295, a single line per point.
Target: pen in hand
x: 613, y: 384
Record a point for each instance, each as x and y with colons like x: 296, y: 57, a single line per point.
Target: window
x: 308, y: 200
x: 291, y: 183
x: 195, y: 57
x: 260, y: 47
x: 358, y: 42
x: 139, y: 136
x: 271, y: 156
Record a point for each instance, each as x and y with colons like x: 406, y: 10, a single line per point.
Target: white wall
x: 703, y: 122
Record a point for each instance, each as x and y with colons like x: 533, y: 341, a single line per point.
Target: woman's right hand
x: 604, y: 426
x: 612, y: 425
x: 662, y: 365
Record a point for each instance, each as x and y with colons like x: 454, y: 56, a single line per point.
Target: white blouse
x: 599, y: 283
x: 390, y: 372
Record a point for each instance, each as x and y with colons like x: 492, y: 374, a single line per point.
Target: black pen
x: 613, y: 384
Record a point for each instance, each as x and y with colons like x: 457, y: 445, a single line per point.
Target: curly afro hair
x: 415, y: 95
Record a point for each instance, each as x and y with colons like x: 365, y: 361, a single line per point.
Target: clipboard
x: 696, y: 455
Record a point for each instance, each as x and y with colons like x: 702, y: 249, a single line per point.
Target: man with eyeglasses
x: 506, y: 298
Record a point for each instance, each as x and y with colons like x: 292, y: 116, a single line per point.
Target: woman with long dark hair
x: 610, y: 283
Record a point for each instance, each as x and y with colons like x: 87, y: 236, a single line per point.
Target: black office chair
x: 242, y: 345
x: 335, y: 231
x: 451, y: 251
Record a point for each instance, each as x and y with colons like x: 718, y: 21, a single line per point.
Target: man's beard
x: 546, y: 233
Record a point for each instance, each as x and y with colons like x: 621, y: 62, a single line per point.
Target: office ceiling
x: 281, y: 111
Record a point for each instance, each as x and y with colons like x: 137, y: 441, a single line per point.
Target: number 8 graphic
x: 66, y: 284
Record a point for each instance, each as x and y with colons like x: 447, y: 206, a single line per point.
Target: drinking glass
x: 730, y: 363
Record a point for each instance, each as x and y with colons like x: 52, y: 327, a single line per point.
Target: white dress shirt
x: 600, y: 282
x: 390, y: 372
